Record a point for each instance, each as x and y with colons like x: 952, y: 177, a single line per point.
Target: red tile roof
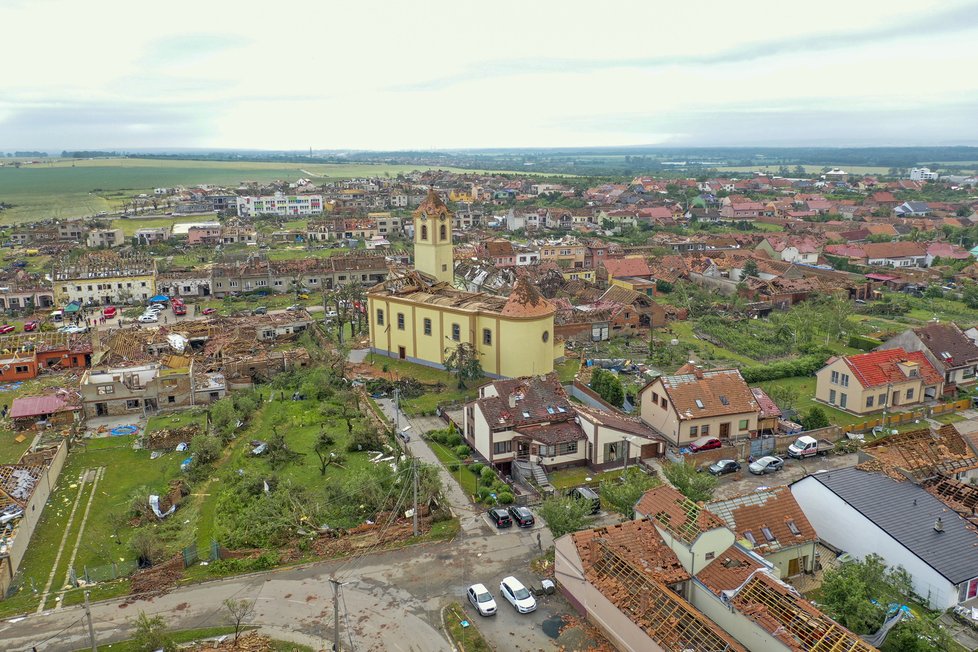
x: 34, y: 406
x: 526, y: 301
x: 624, y: 267
x: 881, y: 367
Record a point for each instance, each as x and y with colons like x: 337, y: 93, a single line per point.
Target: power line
x: 346, y: 619
x: 37, y: 645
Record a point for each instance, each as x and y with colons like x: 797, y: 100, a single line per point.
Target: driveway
x: 744, y: 481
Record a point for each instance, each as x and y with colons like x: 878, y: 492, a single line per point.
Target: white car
x: 767, y: 464
x: 481, y: 599
x: 517, y: 595
x: 156, y: 308
x: 148, y: 318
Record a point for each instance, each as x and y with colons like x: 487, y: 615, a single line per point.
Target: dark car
x: 260, y: 310
x: 722, y: 467
x: 500, y: 517
x: 588, y: 495
x: 522, y: 516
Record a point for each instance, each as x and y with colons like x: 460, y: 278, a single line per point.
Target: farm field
x: 78, y: 188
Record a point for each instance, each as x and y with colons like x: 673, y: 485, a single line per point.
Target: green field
x: 69, y: 188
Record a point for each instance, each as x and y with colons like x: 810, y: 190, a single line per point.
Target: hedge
x: 863, y: 343
x: 804, y: 366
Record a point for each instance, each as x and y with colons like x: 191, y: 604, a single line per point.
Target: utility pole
x: 336, y: 584
x: 91, y: 628
x: 414, y: 465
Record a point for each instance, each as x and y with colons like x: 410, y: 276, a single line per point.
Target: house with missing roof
x: 678, y: 579
x: 945, y: 346
x: 881, y: 379
x: 866, y: 513
x: 684, y: 407
x: 771, y: 523
x: 532, y: 421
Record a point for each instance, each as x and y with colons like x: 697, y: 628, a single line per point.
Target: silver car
x: 481, y: 599
x: 766, y: 464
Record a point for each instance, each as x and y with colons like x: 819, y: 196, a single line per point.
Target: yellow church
x: 421, y: 317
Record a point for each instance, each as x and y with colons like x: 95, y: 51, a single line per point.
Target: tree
x: 238, y: 612
x: 698, y: 487
x: 151, y: 634
x: 917, y: 634
x: 564, y: 514
x: 322, y: 449
x: 345, y: 405
x: 278, y: 451
x: 816, y: 418
x: 621, y: 494
x: 750, y: 267
x: 463, y: 362
x: 205, y: 449
x: 224, y: 418
x: 147, y: 547
x: 970, y: 296
x: 608, y: 387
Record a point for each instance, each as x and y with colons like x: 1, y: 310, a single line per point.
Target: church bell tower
x: 433, y: 251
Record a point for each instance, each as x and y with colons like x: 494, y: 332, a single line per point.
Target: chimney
x: 938, y: 525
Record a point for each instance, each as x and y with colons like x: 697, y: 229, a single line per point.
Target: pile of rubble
x: 168, y: 439
x: 157, y: 580
x: 369, y: 535
x: 248, y: 642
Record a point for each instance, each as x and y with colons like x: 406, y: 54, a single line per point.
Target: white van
x: 58, y: 316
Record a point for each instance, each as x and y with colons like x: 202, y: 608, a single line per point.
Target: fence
x: 897, y: 418
x: 758, y: 447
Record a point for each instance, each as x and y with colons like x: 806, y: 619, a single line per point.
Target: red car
x: 30, y: 326
x: 705, y: 445
x: 6, y: 328
x: 209, y: 311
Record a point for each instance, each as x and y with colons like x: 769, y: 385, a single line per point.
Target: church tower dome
x: 433, y: 250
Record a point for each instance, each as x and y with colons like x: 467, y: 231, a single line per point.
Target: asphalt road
x: 744, y: 481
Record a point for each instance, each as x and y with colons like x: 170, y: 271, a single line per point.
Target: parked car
x: 209, y: 311
x: 806, y: 446
x: 481, y: 599
x: 6, y: 328
x: 500, y: 517
x: 179, y: 309
x: 148, y: 318
x: 294, y: 307
x: 583, y: 493
x: 30, y: 326
x: 260, y: 310
x: 522, y: 516
x: 766, y: 464
x: 517, y: 595
x: 156, y: 307
x: 71, y: 329
x: 705, y: 444
x: 109, y: 312
x: 722, y: 467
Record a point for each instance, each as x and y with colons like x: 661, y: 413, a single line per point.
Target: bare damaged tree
x: 238, y: 612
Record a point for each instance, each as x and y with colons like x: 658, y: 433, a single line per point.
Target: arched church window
x: 443, y: 233
x: 424, y: 231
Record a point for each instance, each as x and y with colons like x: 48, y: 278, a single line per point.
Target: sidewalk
x: 469, y: 516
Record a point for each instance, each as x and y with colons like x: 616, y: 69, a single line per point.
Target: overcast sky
x: 450, y: 74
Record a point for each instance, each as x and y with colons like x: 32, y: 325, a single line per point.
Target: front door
x: 794, y: 567
x: 724, y: 430
x: 522, y: 449
x: 401, y: 352
x: 101, y: 409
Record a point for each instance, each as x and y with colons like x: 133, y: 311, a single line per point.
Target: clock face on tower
x: 442, y: 217
x: 424, y: 217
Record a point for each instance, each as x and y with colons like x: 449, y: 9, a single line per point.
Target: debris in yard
x: 168, y: 439
x: 247, y: 642
x: 154, y: 504
x: 157, y: 580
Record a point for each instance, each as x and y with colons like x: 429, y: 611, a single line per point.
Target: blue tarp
x: 159, y: 298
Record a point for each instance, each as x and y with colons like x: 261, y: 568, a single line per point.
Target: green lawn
x: 683, y: 331
x: 567, y: 370
x: 426, y: 403
x: 805, y: 386
x: 467, y: 479
x: 578, y: 475
x: 466, y: 638
x: 130, y: 225
x: 765, y: 227
x: 176, y: 420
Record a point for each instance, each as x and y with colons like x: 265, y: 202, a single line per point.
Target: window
x: 843, y: 399
x: 831, y: 397
x: 881, y: 400
x: 487, y: 337
x: 704, y: 430
x: 700, y: 405
x: 456, y: 332
x: 710, y: 555
x: 171, y: 399
x: 424, y: 231
x: 869, y: 401
x: 766, y: 531
x: 743, y: 424
x: 427, y: 326
x: 750, y: 537
x: 132, y: 403
x: 400, y: 321
x: 443, y: 232
x: 501, y: 447
x: 380, y: 317
x: 910, y: 393
x: 845, y: 380
x: 794, y: 528
x: 21, y: 369
x: 655, y: 398
x: 546, y: 336
x: 693, y: 431
x: 663, y: 403
x: 548, y: 451
x: 835, y: 378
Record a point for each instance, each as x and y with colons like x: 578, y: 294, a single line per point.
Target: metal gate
x: 762, y: 446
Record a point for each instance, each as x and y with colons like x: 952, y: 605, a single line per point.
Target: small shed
x: 27, y: 411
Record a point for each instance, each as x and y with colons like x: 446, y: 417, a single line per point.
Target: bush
x: 476, y: 468
x: 487, y: 475
x: 205, y: 450
x: 453, y: 439
x: 816, y: 418
x: 698, y: 487
x: 462, y: 451
x: 863, y: 343
x: 483, y: 494
x: 505, y: 498
x: 805, y: 366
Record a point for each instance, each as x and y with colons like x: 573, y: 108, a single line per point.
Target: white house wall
x: 837, y: 523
